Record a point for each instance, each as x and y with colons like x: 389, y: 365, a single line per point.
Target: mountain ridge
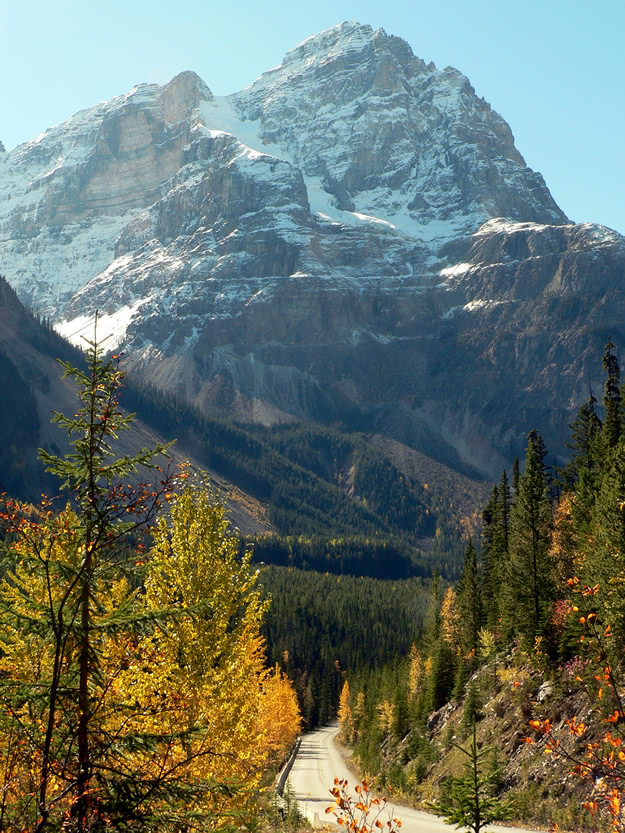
x: 311, y: 247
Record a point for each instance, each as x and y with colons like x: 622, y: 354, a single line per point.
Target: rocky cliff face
x: 353, y: 236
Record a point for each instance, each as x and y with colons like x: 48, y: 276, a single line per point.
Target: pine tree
x: 470, y: 602
x: 469, y: 800
x: 612, y: 423
x: 585, y: 433
x: 529, y: 584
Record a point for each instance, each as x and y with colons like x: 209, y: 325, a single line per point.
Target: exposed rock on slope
x: 324, y: 244
x: 33, y: 386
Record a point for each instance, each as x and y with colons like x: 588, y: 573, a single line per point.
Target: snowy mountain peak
x: 349, y: 36
x: 339, y: 47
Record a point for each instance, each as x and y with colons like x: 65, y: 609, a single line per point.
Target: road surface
x: 319, y: 762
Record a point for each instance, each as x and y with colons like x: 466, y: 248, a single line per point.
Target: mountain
x: 354, y: 237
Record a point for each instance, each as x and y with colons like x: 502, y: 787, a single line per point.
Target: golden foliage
x: 415, y: 672
x: 279, y: 713
x: 361, y: 812
x: 346, y: 721
x: 386, y: 713
x: 450, y: 619
x: 182, y: 699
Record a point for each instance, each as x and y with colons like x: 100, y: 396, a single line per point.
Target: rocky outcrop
x: 354, y: 236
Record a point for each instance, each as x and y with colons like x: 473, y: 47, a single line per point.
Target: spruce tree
x: 583, y: 443
x: 470, y: 602
x: 495, y: 550
x: 612, y: 423
x: 433, y: 614
x: 441, y: 678
x: 490, y: 558
x: 516, y: 475
x: 469, y: 800
x: 605, y: 544
x: 529, y: 583
x: 504, y: 509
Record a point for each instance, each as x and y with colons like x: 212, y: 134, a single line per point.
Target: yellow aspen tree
x: 386, y: 712
x: 211, y: 664
x: 358, y: 715
x: 415, y: 672
x: 450, y: 619
x: 345, y: 716
x: 279, y: 714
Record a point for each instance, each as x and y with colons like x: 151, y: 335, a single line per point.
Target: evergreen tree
x: 605, y: 544
x: 401, y: 724
x: 529, y: 585
x: 585, y: 430
x: 612, y: 423
x: 516, y: 475
x: 107, y: 514
x: 440, y: 681
x: 433, y: 616
x: 470, y: 800
x: 504, y: 509
x: 472, y: 709
x: 490, y: 559
x: 495, y: 550
x: 470, y: 602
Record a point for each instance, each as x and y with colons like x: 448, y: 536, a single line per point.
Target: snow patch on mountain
x: 111, y: 328
x: 49, y: 267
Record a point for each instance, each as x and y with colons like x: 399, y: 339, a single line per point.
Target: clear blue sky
x: 554, y: 69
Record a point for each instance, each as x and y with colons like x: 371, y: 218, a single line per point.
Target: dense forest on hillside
x: 19, y: 425
x: 322, y: 485
x: 535, y: 627
x: 319, y: 625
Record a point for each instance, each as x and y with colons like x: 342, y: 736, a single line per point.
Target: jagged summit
x: 382, y: 133
x: 349, y: 37
x: 327, y: 45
